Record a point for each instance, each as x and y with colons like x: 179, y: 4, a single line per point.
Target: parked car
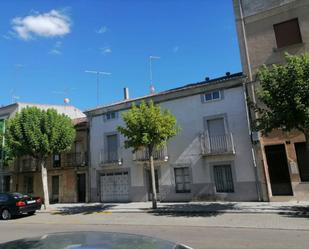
x: 16, y: 204
x: 92, y: 240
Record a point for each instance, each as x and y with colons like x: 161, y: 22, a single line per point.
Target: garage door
x: 115, y: 187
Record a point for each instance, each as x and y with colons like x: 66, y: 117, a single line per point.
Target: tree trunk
x: 307, y: 147
x: 45, y: 184
x: 153, y: 179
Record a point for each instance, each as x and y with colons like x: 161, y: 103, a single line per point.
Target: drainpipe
x: 249, y: 80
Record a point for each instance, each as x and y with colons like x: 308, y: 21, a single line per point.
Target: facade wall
x: 184, y: 150
x: 259, y: 18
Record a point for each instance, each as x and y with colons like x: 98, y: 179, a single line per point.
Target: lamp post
x: 98, y: 73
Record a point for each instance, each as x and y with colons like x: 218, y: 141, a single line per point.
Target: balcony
x: 217, y: 145
x: 28, y: 164
x: 158, y: 155
x: 110, y: 158
x: 75, y: 159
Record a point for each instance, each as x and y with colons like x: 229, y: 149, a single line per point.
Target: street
x: 226, y: 230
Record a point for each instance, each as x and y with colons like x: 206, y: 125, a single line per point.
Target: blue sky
x: 46, y: 46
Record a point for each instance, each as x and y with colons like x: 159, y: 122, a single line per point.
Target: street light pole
x: 97, y: 74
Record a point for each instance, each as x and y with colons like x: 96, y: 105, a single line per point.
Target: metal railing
x: 75, y: 159
x: 214, y: 145
x: 110, y: 157
x: 28, y: 164
x: 158, y: 154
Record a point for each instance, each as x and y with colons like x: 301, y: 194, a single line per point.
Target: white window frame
x: 212, y: 96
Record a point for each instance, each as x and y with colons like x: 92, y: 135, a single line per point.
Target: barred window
x: 182, y: 180
x: 223, y: 179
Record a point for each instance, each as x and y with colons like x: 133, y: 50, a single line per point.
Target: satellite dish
x: 66, y: 100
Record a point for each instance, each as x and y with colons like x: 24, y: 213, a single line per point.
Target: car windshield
x: 17, y: 195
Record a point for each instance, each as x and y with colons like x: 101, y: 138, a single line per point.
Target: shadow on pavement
x: 295, y: 211
x: 82, y: 209
x: 193, y: 210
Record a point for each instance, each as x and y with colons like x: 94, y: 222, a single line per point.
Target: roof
x: 78, y: 121
x: 70, y: 111
x: 174, y: 90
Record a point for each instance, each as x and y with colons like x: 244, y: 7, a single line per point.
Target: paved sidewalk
x: 301, y: 208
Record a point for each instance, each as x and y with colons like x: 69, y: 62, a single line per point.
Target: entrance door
x: 278, y: 170
x: 81, y: 187
x: 55, y: 189
x: 149, y: 183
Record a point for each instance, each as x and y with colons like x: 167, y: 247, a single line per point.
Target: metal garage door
x: 115, y: 187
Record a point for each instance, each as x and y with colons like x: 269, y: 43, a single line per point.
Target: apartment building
x: 210, y: 159
x: 267, y: 29
x: 67, y: 172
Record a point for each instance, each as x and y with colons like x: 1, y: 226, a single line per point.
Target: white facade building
x: 211, y: 157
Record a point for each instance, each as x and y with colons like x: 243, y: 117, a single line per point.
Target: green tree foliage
x: 39, y: 133
x: 148, y: 126
x: 285, y: 93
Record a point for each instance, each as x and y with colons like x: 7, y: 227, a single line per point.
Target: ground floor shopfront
x: 286, y: 166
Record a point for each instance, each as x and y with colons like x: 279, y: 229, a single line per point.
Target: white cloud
x: 105, y: 50
x: 50, y: 24
x: 175, y: 49
x: 56, y: 50
x: 102, y: 30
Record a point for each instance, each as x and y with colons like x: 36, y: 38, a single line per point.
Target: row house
x: 210, y: 159
x: 267, y: 29
x: 67, y: 172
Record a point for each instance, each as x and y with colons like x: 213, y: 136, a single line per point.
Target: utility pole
x: 152, y: 89
x: 98, y: 74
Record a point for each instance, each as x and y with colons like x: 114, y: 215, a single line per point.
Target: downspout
x: 250, y: 81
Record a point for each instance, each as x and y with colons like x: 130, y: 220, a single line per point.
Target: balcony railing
x: 75, y: 159
x: 111, y: 157
x: 158, y: 154
x: 216, y: 145
x: 28, y: 164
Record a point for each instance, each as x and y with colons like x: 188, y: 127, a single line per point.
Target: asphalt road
x: 231, y: 231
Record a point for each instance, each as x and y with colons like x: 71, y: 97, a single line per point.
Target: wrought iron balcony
x: 76, y: 159
x: 216, y: 145
x: 28, y: 164
x: 158, y: 155
x: 110, y: 157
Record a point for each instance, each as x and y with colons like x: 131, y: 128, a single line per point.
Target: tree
x: 285, y: 93
x: 146, y: 126
x: 39, y: 133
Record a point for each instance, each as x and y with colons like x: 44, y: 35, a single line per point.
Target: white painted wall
x: 185, y: 147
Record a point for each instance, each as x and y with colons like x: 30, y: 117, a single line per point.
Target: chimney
x: 126, y: 93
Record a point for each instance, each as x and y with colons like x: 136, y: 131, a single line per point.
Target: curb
x: 192, y: 212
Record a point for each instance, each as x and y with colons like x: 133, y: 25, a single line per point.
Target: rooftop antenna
x: 98, y: 73
x: 18, y: 68
x: 65, y: 94
x: 151, y: 57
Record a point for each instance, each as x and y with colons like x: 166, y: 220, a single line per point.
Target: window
x: 110, y: 115
x: 210, y: 96
x: 302, y: 161
x: 56, y: 160
x: 287, y: 33
x: 28, y: 184
x: 182, y: 180
x: 223, y: 179
x: 112, y: 148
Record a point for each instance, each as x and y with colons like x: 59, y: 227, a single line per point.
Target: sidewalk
x: 296, y: 208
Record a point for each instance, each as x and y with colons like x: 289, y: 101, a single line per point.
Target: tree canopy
x: 285, y: 93
x: 39, y: 133
x: 147, y: 125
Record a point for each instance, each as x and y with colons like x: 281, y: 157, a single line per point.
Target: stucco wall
x: 185, y: 150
